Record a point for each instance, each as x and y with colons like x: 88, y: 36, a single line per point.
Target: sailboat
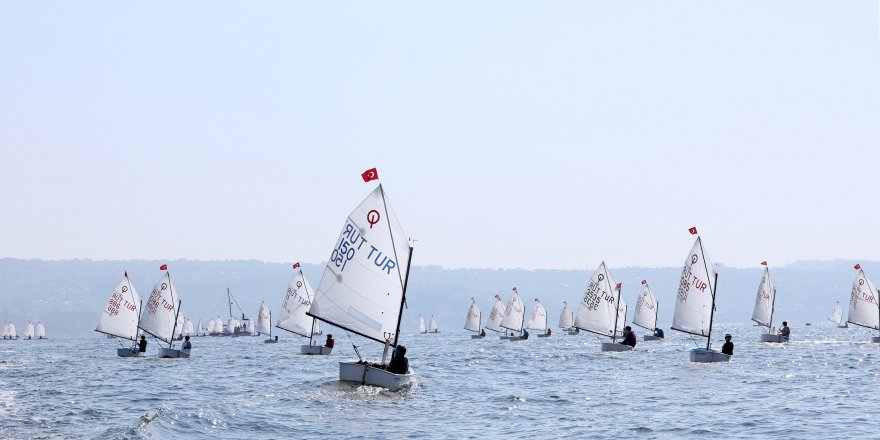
x: 363, y: 289
x: 244, y: 327
x: 538, y: 320
x: 188, y: 329
x: 765, y: 303
x: 121, y: 315
x: 29, y: 331
x: 566, y: 319
x: 200, y: 329
x: 600, y: 309
x: 837, y: 316
x: 432, y: 327
x: 646, y: 312
x: 264, y: 323
x: 161, y: 315
x: 864, y: 309
x: 472, y: 322
x: 422, y: 327
x: 514, y: 316
x: 695, y: 302
x: 294, y: 314
x: 41, y: 331
x: 496, y: 316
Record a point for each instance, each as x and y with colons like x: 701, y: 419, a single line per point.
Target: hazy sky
x: 549, y: 134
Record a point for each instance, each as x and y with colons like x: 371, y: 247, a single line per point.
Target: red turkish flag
x: 370, y: 174
x: 693, y: 230
x: 163, y: 267
x: 644, y: 281
x: 498, y: 297
x: 857, y: 266
x: 618, y: 285
x: 763, y: 263
x: 514, y: 289
x: 295, y: 265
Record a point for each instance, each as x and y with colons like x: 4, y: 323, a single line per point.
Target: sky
x: 507, y: 134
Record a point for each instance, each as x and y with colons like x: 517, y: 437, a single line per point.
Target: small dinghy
x: 538, y: 320
x: 294, y: 317
x: 864, y: 309
x: 120, y: 317
x: 41, y: 331
x: 29, y: 331
x: 161, y: 315
x: 432, y: 327
x: 695, y: 302
x: 514, y: 317
x: 264, y: 323
x: 422, y: 327
x: 472, y: 322
x: 837, y: 316
x: 600, y: 309
x: 566, y: 319
x: 496, y: 316
x: 645, y: 315
x: 363, y: 289
x: 765, y: 304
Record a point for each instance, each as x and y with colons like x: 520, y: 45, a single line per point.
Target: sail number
x: 117, y: 301
x: 350, y: 243
x: 594, y: 295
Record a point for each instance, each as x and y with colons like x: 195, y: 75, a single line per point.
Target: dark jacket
x: 630, y: 339
x: 142, y: 345
x: 727, y: 348
x: 398, y: 365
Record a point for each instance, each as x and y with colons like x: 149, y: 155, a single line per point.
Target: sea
x: 822, y: 384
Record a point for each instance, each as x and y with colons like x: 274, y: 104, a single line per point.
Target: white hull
x: 507, y: 337
x: 875, y: 339
x: 574, y: 333
x: 127, y: 353
x: 270, y: 341
x: 651, y: 338
x: 544, y: 335
x: 172, y: 353
x: 367, y: 375
x: 707, y: 356
x: 842, y: 326
x: 613, y: 346
x: 315, y: 350
x: 767, y: 337
x: 477, y: 336
x: 516, y: 338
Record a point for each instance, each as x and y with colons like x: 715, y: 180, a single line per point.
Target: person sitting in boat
x: 658, y: 332
x: 399, y: 363
x: 330, y: 341
x: 629, y: 336
x: 785, y: 331
x: 525, y: 334
x: 548, y: 332
x: 727, y: 348
x: 482, y: 332
x: 187, y: 346
x: 142, y: 345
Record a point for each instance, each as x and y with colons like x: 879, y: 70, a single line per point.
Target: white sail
x: 763, y: 313
x: 41, y: 330
x: 566, y: 317
x: 645, y: 315
x: 159, y: 316
x: 514, y: 314
x: 496, y: 315
x: 363, y: 284
x: 11, y: 332
x: 836, y: 315
x: 696, y: 293
x: 538, y: 318
x: 598, y: 310
x: 178, y: 327
x: 188, y: 328
x: 422, y: 328
x: 251, y: 326
x: 264, y: 320
x: 297, y: 301
x: 121, y: 314
x: 472, y: 322
x: 200, y: 329
x: 432, y: 327
x: 29, y: 330
x: 863, y: 306
x: 5, y: 332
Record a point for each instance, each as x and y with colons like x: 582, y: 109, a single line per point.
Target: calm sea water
x: 823, y: 384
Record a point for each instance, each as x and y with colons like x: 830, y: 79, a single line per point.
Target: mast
x: 616, y: 307
x: 712, y: 310
x: 405, y: 282
x: 176, y: 314
x: 140, y: 306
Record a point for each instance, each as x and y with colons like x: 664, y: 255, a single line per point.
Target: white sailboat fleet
x: 864, y: 308
x: 836, y: 316
x: 161, y: 314
x: 765, y: 302
x: 363, y: 288
x: 645, y: 315
x: 472, y: 322
x: 695, y: 302
x: 121, y: 316
x: 601, y: 309
x: 514, y: 317
x: 294, y: 314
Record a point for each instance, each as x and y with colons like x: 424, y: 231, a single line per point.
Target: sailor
x: 525, y: 334
x: 187, y: 346
x: 330, y: 341
x: 548, y: 332
x: 482, y: 332
x: 785, y: 331
x: 399, y: 363
x: 142, y: 345
x: 629, y: 337
x: 658, y: 332
x: 727, y: 348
